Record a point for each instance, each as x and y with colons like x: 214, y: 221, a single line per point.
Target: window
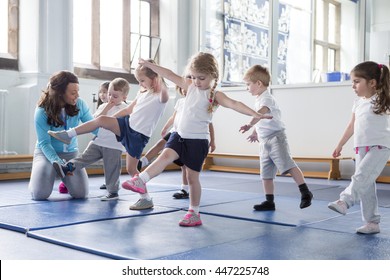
x: 9, y: 13
x: 109, y: 40
x: 297, y: 40
x: 327, y: 36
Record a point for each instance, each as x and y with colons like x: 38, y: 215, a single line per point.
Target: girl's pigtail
x: 212, y: 102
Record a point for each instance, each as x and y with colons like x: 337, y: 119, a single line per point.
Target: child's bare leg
x: 297, y: 175
x: 184, y: 175
x: 166, y: 157
x: 195, y: 189
x: 109, y: 123
x: 131, y: 165
x: 155, y: 150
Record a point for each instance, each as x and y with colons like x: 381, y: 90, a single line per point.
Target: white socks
x: 144, y: 161
x: 185, y: 187
x: 144, y: 176
x: 71, y: 132
x: 195, y: 209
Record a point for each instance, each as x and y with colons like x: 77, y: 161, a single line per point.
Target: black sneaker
x: 264, y: 206
x: 110, y: 196
x: 63, y: 169
x: 183, y: 194
x: 103, y: 187
x: 306, y: 200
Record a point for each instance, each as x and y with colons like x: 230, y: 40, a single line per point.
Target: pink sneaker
x: 135, y: 184
x: 190, y: 220
x: 62, y: 188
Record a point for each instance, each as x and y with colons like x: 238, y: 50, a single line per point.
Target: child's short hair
x: 121, y: 84
x: 258, y: 73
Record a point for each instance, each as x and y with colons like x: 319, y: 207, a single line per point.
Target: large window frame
x: 9, y: 60
x: 330, y: 50
x: 94, y: 69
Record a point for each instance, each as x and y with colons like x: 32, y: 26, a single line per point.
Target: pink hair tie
x: 380, y: 66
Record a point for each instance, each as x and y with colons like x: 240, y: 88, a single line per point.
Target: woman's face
x: 71, y: 94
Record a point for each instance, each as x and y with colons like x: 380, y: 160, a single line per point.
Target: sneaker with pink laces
x: 190, y: 219
x: 62, y: 188
x: 135, y: 184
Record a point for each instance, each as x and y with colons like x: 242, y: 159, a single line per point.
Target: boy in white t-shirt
x: 104, y: 145
x: 274, y: 150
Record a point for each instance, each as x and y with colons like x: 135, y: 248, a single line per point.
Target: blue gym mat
x: 297, y: 243
x: 287, y: 211
x: 53, y: 214
x: 350, y: 222
x: 153, y: 236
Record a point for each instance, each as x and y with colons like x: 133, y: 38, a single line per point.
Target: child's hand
x: 245, y: 128
x: 337, y: 152
x: 253, y: 138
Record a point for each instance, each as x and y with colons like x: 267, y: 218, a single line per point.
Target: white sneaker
x: 338, y: 206
x: 369, y: 228
x: 61, y: 136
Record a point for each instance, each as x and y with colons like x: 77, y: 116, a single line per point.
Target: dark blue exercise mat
x: 350, y: 222
x: 54, y: 214
x: 295, y: 243
x: 287, y: 211
x: 153, y: 236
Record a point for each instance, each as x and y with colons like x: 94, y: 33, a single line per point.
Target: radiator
x: 3, y: 122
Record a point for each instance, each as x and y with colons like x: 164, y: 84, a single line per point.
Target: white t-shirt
x: 267, y: 127
x: 105, y: 138
x: 146, y: 113
x: 370, y: 129
x: 195, y: 119
x: 179, y: 106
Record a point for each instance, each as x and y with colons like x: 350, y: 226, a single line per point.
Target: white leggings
x: 369, y: 165
x: 43, y: 176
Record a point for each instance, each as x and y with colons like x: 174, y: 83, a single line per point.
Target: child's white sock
x: 185, y: 187
x: 145, y: 196
x: 144, y: 161
x: 195, y: 209
x: 144, y: 176
x: 71, y: 132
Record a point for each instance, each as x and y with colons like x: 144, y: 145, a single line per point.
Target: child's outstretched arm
x: 347, y: 134
x: 263, y: 110
x: 238, y: 106
x: 126, y: 111
x: 166, y: 73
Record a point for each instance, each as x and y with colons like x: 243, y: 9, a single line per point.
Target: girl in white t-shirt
x: 370, y: 125
x: 190, y: 143
x: 132, y: 125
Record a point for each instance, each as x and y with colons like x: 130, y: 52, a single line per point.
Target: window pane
x: 319, y: 20
x: 145, y: 18
x: 135, y: 12
x: 332, y: 24
x: 3, y: 26
x: 294, y: 44
x: 319, y: 53
x: 82, y: 18
x: 111, y: 37
x: 331, y: 60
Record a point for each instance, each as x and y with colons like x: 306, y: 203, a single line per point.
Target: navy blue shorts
x: 192, y: 152
x: 133, y: 141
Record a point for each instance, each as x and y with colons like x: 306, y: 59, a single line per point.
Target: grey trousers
x: 369, y: 165
x: 112, y: 163
x: 43, y: 176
